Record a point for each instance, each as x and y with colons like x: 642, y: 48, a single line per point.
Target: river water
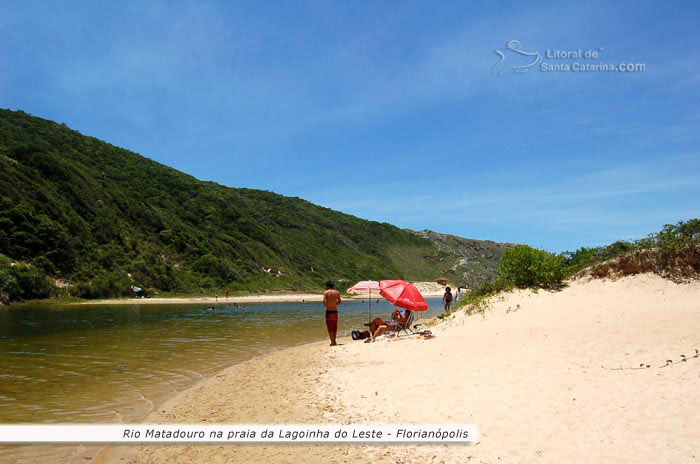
x: 115, y: 363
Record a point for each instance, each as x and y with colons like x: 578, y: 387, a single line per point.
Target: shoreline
x: 161, y: 413
x: 427, y: 289
x: 539, y: 373
x: 260, y: 298
x: 172, y: 408
x: 256, y: 298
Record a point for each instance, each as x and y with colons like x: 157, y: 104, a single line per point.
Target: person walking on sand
x: 447, y: 299
x: 331, y: 300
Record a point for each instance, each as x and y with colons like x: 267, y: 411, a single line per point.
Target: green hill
x: 462, y: 261
x: 97, y: 218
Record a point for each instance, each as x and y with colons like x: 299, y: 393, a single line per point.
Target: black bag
x: 357, y: 335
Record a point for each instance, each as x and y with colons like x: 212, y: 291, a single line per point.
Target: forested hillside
x: 97, y: 219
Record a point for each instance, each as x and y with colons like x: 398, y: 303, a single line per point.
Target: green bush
x: 32, y: 282
x: 104, y: 285
x: 523, y: 266
x: 482, y: 292
x: 9, y: 288
x: 22, y: 281
x: 676, y: 240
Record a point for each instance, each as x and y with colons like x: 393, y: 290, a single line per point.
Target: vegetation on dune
x: 674, y: 252
x: 524, y: 266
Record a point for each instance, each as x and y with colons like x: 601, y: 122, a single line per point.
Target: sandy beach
x: 546, y: 376
x: 428, y: 289
x: 274, y: 298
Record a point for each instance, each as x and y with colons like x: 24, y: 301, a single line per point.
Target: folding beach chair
x: 396, y: 328
x: 405, y: 327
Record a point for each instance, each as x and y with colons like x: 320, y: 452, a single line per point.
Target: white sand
x: 547, y: 377
x: 274, y: 298
x: 428, y: 289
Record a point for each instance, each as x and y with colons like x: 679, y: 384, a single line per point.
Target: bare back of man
x: 331, y: 300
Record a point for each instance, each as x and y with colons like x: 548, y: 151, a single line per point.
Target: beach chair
x: 395, y: 329
x: 405, y: 327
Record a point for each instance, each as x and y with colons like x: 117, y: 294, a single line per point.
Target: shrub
x: 104, y: 285
x: 523, y: 266
x: 482, y: 292
x: 32, y: 282
x: 22, y: 281
x: 9, y: 288
x: 677, y: 241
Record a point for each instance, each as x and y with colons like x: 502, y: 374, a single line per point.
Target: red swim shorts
x: 332, y: 321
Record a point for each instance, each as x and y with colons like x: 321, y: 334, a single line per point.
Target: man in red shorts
x: 331, y: 300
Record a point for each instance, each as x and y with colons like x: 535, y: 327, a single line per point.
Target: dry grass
x: 680, y: 265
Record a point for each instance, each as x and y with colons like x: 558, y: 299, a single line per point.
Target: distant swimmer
x: 331, y: 300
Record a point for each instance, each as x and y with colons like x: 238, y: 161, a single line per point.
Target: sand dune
x: 547, y: 377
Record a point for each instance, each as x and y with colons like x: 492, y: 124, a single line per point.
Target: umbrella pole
x: 369, y: 313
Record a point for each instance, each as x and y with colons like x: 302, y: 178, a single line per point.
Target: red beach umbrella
x: 402, y: 294
x: 366, y: 287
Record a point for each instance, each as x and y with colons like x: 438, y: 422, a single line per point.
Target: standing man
x: 447, y: 299
x: 331, y: 300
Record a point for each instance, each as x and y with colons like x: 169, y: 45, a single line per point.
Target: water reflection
x: 113, y: 363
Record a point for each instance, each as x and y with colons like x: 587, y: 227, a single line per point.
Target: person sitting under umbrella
x: 398, y: 320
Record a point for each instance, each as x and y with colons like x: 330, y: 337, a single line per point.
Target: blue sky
x: 391, y: 111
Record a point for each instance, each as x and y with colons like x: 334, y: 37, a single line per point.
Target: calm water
x: 109, y: 364
x: 112, y: 364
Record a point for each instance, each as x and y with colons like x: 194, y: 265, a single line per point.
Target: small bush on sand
x: 523, y: 266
